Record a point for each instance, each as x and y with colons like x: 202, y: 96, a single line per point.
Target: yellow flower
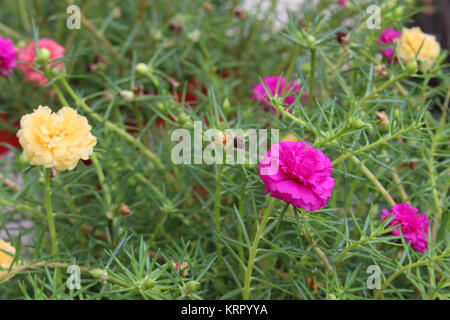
x: 56, y: 140
x: 7, y: 252
x: 410, y: 43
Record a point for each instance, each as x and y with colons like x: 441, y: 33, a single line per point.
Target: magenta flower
x: 388, y: 36
x: 7, y: 57
x: 27, y: 54
x: 296, y: 173
x: 413, y: 226
x: 342, y: 3
x: 260, y: 94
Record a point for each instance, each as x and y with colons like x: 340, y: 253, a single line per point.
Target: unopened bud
x: 357, y: 124
x: 226, y: 106
x: 190, y: 287
x: 157, y: 35
x: 127, y: 95
x: 194, y: 36
x: 43, y: 55
x: 331, y: 296
x: 99, y: 273
x: 148, y: 283
x: 142, y: 68
x: 412, y: 67
x: 311, y: 41
x: 183, y: 118
x: 167, y: 207
x: 306, y: 68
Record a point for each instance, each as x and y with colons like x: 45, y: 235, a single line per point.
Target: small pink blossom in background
x: 260, y: 94
x: 412, y: 225
x: 7, y: 57
x: 342, y: 3
x: 388, y: 53
x: 299, y: 175
x: 388, y: 36
x: 27, y: 54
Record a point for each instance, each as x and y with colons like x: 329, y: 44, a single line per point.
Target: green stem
x: 217, y: 200
x: 149, y: 154
x: 311, y: 77
x: 372, y: 145
x: 254, y: 249
x: 404, y: 268
x: 112, y: 219
x: 382, y: 87
x: 49, y: 209
x: 374, y: 180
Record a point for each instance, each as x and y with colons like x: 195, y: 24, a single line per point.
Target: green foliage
x: 193, y: 227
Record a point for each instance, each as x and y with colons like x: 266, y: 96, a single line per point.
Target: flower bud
x: 190, y: 287
x: 226, y: 106
x: 160, y: 106
x: 43, y: 55
x: 167, y: 207
x: 148, y: 283
x: 357, y: 124
x: 183, y: 118
x: 306, y: 68
x: 331, y: 296
x: 411, y: 67
x: 311, y: 41
x: 399, y: 11
x: 99, y: 273
x: 142, y: 68
x: 127, y: 95
x: 194, y: 36
x: 157, y: 35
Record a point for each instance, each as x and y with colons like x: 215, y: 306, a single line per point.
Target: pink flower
x: 27, y: 54
x: 260, y: 94
x: 388, y: 35
x: 296, y: 173
x: 342, y: 3
x: 7, y: 57
x: 413, y: 226
x: 388, y: 53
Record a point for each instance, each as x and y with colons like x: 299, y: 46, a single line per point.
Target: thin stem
x: 49, y: 209
x: 217, y: 200
x: 374, y: 180
x: 311, y: 77
x: 254, y: 249
x: 404, y: 268
x: 382, y: 87
x: 372, y: 145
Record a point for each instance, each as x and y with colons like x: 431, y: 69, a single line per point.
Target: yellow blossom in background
x: 7, y: 252
x: 290, y: 137
x: 56, y: 140
x: 410, y: 43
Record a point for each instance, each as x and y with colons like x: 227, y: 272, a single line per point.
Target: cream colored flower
x: 7, y: 252
x: 410, y: 43
x: 56, y: 140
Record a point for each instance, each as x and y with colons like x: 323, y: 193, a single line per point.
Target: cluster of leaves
x: 193, y: 226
